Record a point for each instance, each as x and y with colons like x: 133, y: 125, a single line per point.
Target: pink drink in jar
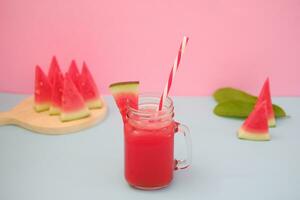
x: 149, y: 144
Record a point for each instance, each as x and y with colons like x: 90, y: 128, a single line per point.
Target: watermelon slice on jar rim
x: 124, y: 92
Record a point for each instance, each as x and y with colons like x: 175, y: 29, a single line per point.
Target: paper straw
x: 173, y: 72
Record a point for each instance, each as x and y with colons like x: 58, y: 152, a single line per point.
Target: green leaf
x: 234, y: 108
x: 237, y: 103
x: 228, y: 93
x: 279, y: 112
x: 241, y: 109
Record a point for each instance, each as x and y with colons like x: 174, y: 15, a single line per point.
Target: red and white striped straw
x: 173, y: 72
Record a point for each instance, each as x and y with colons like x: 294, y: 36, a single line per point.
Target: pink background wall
x: 232, y: 42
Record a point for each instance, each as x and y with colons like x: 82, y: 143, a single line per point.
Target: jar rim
x: 151, y: 99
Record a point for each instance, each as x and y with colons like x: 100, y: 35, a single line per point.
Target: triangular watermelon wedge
x: 73, y: 105
x: 57, y: 89
x: 88, y: 89
x: 123, y: 93
x: 42, y: 92
x: 54, y: 68
x: 256, y: 126
x: 265, y: 95
x: 74, y: 74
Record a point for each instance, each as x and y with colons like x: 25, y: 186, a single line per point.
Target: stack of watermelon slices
x: 70, y: 95
x: 256, y: 126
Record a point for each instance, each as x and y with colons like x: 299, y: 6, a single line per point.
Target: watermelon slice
x: 57, y: 89
x: 54, y: 68
x: 74, y: 74
x: 42, y: 93
x: 73, y: 106
x: 256, y: 126
x: 123, y: 93
x: 265, y: 95
x: 88, y: 89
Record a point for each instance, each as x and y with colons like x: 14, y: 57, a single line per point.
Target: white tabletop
x: 89, y: 164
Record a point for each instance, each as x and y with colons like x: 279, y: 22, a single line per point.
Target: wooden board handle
x: 5, y: 118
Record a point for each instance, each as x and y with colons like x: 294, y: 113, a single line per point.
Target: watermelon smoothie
x: 149, y: 144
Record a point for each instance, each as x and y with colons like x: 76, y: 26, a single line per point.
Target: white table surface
x: 89, y: 164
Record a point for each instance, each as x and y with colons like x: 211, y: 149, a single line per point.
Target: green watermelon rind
x: 94, y: 103
x: 257, y: 136
x: 54, y: 110
x: 40, y: 107
x: 74, y: 115
x: 120, y: 87
x: 272, y: 122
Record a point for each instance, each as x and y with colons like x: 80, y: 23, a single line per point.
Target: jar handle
x: 183, y: 164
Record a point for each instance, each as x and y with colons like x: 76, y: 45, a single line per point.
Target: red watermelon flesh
x: 74, y: 74
x: 256, y: 126
x: 42, y: 93
x: 73, y: 105
x: 57, y: 89
x: 265, y: 95
x: 54, y: 68
x: 88, y: 89
x: 125, y: 93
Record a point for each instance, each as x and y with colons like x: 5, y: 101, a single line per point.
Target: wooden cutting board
x: 24, y: 115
